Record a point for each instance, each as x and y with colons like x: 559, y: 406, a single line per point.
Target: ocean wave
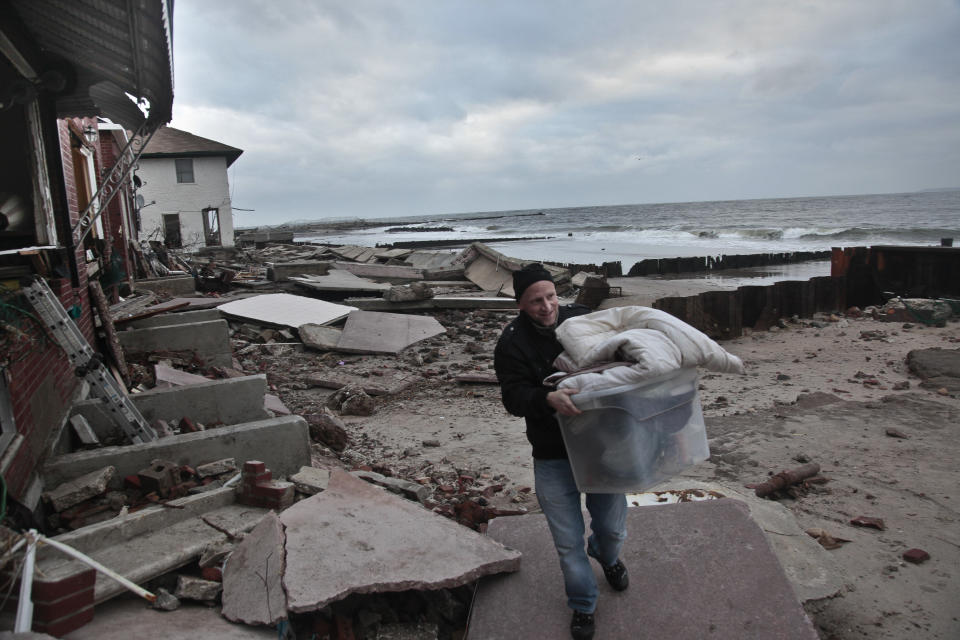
x: 907, y: 234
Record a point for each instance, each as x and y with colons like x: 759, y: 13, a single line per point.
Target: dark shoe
x: 616, y: 575
x: 581, y: 626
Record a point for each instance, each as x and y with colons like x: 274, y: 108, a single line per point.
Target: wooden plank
x: 478, y: 378
x: 106, y: 321
x: 384, y: 386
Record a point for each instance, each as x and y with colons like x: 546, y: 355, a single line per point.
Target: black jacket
x: 522, y: 359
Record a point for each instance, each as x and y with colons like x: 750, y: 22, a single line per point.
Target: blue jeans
x: 560, y: 501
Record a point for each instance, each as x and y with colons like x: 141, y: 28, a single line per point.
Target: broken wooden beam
x: 786, y: 479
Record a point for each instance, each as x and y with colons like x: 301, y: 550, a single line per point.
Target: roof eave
x: 112, y: 48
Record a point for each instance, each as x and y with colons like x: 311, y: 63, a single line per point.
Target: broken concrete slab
x: 700, y: 569
x: 339, y: 281
x: 310, y: 480
x: 388, y: 272
x: 437, y: 302
x: 382, y: 543
x: 210, y: 340
x: 493, y: 271
x: 152, y: 541
x: 356, y: 253
x: 432, y: 260
x: 75, y: 491
x: 280, y: 271
x: 285, y: 309
x: 385, y: 255
x: 282, y: 443
x: 319, y: 337
x: 373, y: 332
x: 253, y: 576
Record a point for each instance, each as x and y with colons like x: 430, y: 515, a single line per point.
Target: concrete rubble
x: 77, y: 490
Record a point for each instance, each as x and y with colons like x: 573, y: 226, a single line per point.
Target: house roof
x: 101, y: 50
x: 168, y: 142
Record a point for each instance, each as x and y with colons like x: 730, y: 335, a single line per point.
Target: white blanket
x: 655, y: 341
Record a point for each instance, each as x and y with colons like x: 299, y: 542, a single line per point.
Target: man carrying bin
x: 523, y: 358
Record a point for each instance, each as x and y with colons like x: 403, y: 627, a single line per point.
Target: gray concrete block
x: 282, y: 443
x: 193, y: 588
x: 76, y: 490
x: 173, y: 319
x: 177, y: 285
x: 229, y: 401
x: 210, y: 341
x: 310, y: 480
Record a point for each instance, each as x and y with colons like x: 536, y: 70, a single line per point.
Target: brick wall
x: 42, y: 385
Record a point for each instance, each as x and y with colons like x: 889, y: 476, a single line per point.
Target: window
x: 184, y: 170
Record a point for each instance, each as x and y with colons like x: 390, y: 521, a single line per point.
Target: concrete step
x: 151, y: 542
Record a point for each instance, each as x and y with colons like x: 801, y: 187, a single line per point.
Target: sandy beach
x: 835, y: 390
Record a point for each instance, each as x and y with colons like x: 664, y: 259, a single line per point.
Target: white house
x: 186, y: 194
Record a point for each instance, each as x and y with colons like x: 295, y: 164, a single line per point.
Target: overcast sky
x: 366, y: 108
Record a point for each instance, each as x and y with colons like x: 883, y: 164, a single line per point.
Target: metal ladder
x: 87, y: 363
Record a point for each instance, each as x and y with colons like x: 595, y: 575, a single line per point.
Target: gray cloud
x: 380, y: 108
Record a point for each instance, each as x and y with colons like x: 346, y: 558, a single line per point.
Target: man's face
x: 539, y: 301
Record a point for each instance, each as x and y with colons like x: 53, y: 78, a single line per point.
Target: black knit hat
x: 533, y: 272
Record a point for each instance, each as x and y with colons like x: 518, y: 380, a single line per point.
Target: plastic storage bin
x: 632, y: 437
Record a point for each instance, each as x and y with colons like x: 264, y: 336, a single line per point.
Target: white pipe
x: 24, y: 619
x: 70, y: 551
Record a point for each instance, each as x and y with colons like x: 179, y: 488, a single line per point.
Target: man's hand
x: 561, y: 402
